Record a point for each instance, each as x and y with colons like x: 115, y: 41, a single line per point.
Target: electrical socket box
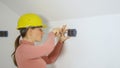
x: 72, y: 32
x: 3, y: 33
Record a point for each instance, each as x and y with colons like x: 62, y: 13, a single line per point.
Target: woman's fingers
x: 56, y: 31
x: 63, y: 29
x: 60, y: 32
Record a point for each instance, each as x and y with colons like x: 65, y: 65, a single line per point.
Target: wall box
x: 72, y: 32
x: 3, y: 33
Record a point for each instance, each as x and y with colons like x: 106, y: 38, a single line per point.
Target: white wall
x: 97, y: 44
x: 55, y: 10
x: 8, y: 20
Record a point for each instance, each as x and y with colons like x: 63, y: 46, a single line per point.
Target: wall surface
x: 55, y: 10
x: 95, y: 46
x: 8, y: 20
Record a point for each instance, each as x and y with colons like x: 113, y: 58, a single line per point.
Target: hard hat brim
x: 42, y: 26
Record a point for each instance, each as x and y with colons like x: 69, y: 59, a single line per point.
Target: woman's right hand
x: 60, y: 33
x: 56, y: 31
x: 63, y: 31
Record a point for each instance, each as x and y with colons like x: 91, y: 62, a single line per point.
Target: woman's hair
x: 23, y: 32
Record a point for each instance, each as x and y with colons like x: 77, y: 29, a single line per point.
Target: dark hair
x: 23, y: 32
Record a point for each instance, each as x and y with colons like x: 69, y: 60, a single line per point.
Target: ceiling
x: 64, y: 9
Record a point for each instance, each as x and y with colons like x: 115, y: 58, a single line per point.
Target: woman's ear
x: 29, y: 32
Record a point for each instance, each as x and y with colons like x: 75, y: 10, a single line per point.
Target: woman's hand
x: 62, y: 36
x: 56, y: 31
x: 60, y: 33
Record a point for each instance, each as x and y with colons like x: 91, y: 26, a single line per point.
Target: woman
x: 26, y: 54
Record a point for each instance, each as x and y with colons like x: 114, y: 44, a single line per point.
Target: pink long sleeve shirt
x: 29, y: 56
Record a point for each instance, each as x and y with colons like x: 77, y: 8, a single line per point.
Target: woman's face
x: 37, y: 34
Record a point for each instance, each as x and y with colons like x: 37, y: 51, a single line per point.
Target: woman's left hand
x: 62, y: 36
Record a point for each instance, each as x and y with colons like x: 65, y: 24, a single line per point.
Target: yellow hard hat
x: 30, y: 20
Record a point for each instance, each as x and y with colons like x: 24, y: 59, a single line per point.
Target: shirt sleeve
x: 42, y: 50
